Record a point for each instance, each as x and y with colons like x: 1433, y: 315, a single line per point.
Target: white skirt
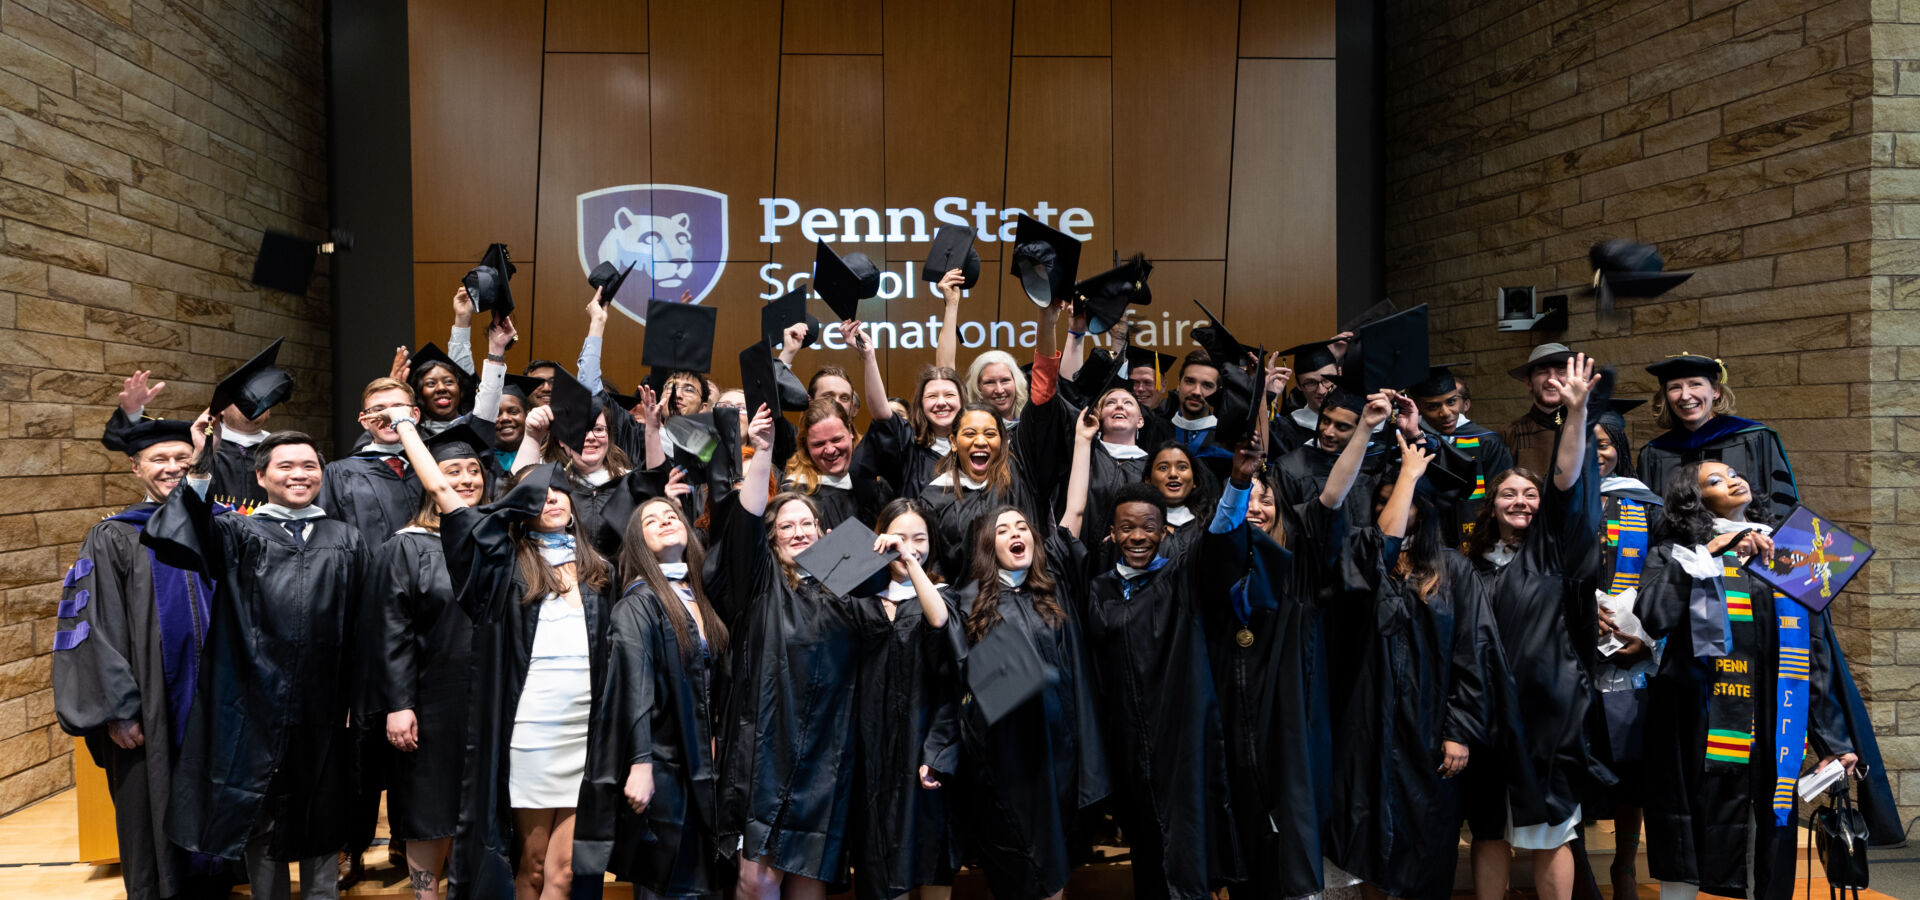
x: 1544, y: 836
x: 547, y: 778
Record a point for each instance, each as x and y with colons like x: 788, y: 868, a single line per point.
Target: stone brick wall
x: 144, y: 144
x: 1757, y: 143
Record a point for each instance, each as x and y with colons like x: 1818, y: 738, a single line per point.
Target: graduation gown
x: 129, y: 649
x: 655, y: 705
x: 1546, y: 627
x: 1490, y: 457
x: 1027, y: 782
x: 956, y: 512
x: 233, y: 483
x: 267, y: 737
x: 903, y: 833
x: 1303, y: 473
x: 1420, y: 668
x: 1047, y: 448
x: 364, y: 492
x: 906, y: 465
x: 786, y: 742
x: 1273, y: 695
x: 486, y: 582
x: 1531, y: 437
x: 425, y: 664
x: 1752, y: 449
x: 1289, y: 432
x: 1699, y: 816
x: 865, y: 492
x: 1165, y: 743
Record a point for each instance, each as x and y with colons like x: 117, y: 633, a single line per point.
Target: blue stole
x: 1627, y: 534
x: 1796, y: 668
x: 182, y: 603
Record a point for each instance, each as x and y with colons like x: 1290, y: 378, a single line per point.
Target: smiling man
x: 1441, y: 400
x: 373, y: 490
x: 1304, y: 470
x: 264, y: 767
x: 1530, y: 438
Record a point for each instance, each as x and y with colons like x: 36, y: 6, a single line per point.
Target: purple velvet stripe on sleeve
x: 82, y: 567
x: 71, y: 606
x: 67, y: 640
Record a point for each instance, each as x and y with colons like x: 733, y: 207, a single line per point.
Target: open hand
x: 398, y: 371
x: 760, y: 430
x: 1414, y: 458
x: 137, y: 392
x: 1575, y: 383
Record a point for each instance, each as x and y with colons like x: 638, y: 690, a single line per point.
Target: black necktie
x: 297, y: 528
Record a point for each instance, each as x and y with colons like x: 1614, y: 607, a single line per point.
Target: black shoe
x: 351, y: 871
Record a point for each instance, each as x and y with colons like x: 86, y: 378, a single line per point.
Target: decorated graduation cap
x: 458, y: 441
x: 488, y: 284
x: 146, y: 433
x: 574, y: 409
x: 844, y: 560
x: 790, y: 310
x: 255, y: 387
x: 285, y: 261
x: 679, y: 337
x: 1439, y: 382
x: 1004, y: 671
x: 844, y: 281
x: 1687, y: 365
x: 691, y: 441
x: 1162, y: 363
x: 608, y: 280
x: 952, y: 249
x: 1387, y: 353
x: 1045, y: 260
x: 1107, y: 295
x: 1623, y: 268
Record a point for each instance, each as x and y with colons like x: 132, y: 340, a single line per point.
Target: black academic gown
x: 1420, y: 668
x: 1164, y: 738
x: 233, y: 482
x: 133, y: 654
x: 903, y: 833
x: 426, y: 664
x: 364, y: 492
x: 1287, y: 433
x: 1047, y: 448
x: 1274, y: 703
x: 655, y: 705
x: 1700, y: 819
x: 1752, y: 449
x: 1303, y: 473
x: 267, y: 739
x: 905, y: 464
x: 1457, y: 509
x: 486, y: 581
x: 1027, y: 782
x: 1546, y: 627
x: 787, y: 742
x: 864, y: 494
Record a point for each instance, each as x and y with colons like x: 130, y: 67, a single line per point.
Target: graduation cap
x: 1623, y: 268
x: 1387, y: 353
x: 779, y: 315
x: 1102, y: 370
x: 1219, y: 342
x: 146, y: 433
x: 459, y: 441
x: 844, y: 281
x: 1045, y: 260
x: 522, y: 386
x: 843, y: 560
x: 488, y: 284
x: 1107, y: 295
x: 1451, y: 472
x: 430, y: 355
x: 759, y: 381
x: 574, y: 410
x: 1162, y: 363
x: 1370, y: 315
x: 255, y: 387
x: 1616, y: 412
x: 285, y: 261
x: 953, y: 249
x: 1347, y: 400
x: 1004, y: 671
x: 1687, y: 365
x: 1238, y: 405
x: 608, y: 279
x: 679, y: 337
x: 1311, y: 356
x: 529, y: 496
x: 692, y: 441
x: 626, y: 401
x: 1439, y: 381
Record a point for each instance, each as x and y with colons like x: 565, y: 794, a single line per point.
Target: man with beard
x: 1530, y: 438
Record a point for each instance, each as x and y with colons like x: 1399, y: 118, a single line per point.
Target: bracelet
x: 496, y: 357
x: 1073, y: 333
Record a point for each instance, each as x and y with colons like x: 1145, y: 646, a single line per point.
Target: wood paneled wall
x: 1200, y: 133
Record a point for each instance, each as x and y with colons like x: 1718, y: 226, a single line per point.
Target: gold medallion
x: 1243, y: 637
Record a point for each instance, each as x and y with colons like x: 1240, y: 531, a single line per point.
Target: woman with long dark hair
x: 786, y: 742
x: 1746, y: 678
x: 425, y: 659
x: 649, y: 813
x: 1188, y: 488
x: 603, y: 480
x: 983, y: 471
x: 1027, y: 781
x: 526, y: 573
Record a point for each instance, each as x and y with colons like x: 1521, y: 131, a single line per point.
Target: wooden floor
x: 38, y: 848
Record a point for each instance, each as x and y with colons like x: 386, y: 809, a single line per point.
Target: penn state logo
x: 673, y: 234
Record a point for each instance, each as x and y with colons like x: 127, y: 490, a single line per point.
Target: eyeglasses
x: 380, y: 409
x: 597, y: 431
x: 788, y: 528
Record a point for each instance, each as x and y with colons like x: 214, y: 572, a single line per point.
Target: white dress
x: 548, y: 753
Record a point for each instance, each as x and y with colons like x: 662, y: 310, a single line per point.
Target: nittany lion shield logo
x: 676, y: 236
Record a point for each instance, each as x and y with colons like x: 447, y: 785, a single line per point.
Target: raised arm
x: 533, y: 436
x: 1049, y: 324
x: 1413, y: 464
x: 948, y: 349
x: 753, y: 489
x: 873, y: 383
x: 1074, y: 354
x: 652, y: 412
x: 432, y: 480
x: 460, y: 339
x: 932, y: 605
x: 1085, y: 428
x: 1347, y: 468
x: 493, y: 374
x: 1572, y: 457
x: 589, y: 363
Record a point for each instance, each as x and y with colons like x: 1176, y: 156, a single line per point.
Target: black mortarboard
x: 488, y: 284
x: 1237, y: 405
x: 521, y: 386
x: 255, y: 387
x: 1387, y: 353
x: 608, y: 279
x: 285, y: 261
x: 1311, y: 356
x: 1045, y: 260
x: 758, y: 379
x: 1616, y: 412
x: 1004, y: 671
x: 1107, y: 295
x: 1370, y: 315
x: 1687, y: 365
x: 146, y: 433
x: 691, y: 442
x: 679, y: 337
x: 1439, y: 381
x: 573, y: 411
x: 952, y: 249
x: 1623, y: 268
x: 844, y: 281
x: 430, y: 354
x: 779, y: 315
x: 1451, y: 472
x: 626, y: 402
x: 1102, y: 370
x: 1347, y: 400
x: 529, y: 495
x: 843, y: 560
x: 458, y: 441
x: 1219, y: 342
x: 1162, y: 363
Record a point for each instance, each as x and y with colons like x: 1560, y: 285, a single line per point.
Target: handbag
x: 1839, y: 832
